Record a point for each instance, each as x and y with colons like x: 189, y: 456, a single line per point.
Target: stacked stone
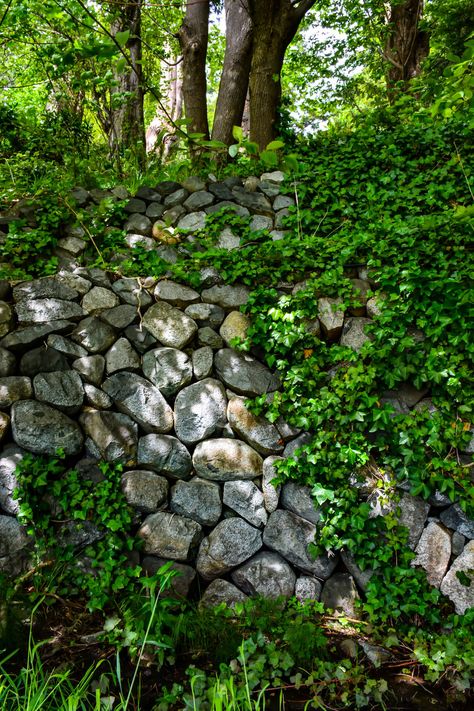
x: 142, y: 372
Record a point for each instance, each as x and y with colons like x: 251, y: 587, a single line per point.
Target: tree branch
x: 301, y: 8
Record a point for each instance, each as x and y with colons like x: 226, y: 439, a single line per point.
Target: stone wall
x: 142, y: 372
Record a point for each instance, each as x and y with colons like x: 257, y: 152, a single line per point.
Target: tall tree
x: 193, y: 38
x: 406, y: 45
x: 275, y: 23
x: 235, y: 73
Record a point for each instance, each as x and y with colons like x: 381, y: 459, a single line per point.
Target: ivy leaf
x: 122, y: 37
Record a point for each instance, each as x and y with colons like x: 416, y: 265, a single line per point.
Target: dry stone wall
x: 142, y: 372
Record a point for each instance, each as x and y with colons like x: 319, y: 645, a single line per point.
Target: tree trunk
x: 235, y: 73
x: 164, y: 123
x: 193, y: 39
x: 128, y: 130
x: 275, y: 24
x: 406, y: 44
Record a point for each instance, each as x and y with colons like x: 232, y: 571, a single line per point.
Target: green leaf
x: 238, y: 133
x: 275, y: 145
x: 122, y: 37
x: 233, y: 150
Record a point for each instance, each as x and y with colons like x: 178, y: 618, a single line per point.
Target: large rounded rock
x: 226, y: 460
x: 228, y: 297
x: 244, y: 374
x: 266, y: 574
x: 197, y: 499
x: 168, y: 535
x: 91, y: 368
x: 290, y: 535
x: 433, y: 552
x: 164, y: 454
x: 169, y: 325
x: 297, y: 498
x: 99, y: 299
x: 168, y: 368
x: 112, y: 436
x: 94, y: 335
x: 340, y: 593
x: 61, y: 389
x: 231, y: 543
x: 255, y: 430
x: 200, y: 410
x: 138, y: 398
x: 175, y: 294
x: 235, y: 325
x: 145, y: 491
x: 121, y: 356
x: 41, y: 429
x: 45, y: 287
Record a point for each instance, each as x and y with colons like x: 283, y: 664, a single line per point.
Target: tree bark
x: 406, y: 44
x: 235, y: 73
x: 275, y: 24
x: 128, y: 130
x: 164, y: 123
x: 193, y: 39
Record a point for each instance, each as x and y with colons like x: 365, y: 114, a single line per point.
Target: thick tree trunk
x: 275, y: 24
x: 235, y: 73
x: 128, y: 130
x: 193, y: 38
x: 406, y: 44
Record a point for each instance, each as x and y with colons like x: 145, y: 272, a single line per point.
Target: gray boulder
x: 164, y: 454
x: 200, y: 410
x: 139, y: 224
x: 99, y: 299
x: 144, y: 490
x: 42, y: 360
x: 197, y: 499
x: 246, y: 499
x: 456, y: 519
x: 44, y: 288
x: 119, y: 317
x: 96, y: 398
x: 290, y: 535
x: 331, y: 317
x: 41, y: 429
x: 13, y: 388
x: 194, y: 222
x: 91, y: 368
x: 175, y: 294
x: 461, y: 594
x: 340, y: 594
x: 61, y: 389
x: 14, y: 544
x: 64, y: 345
x: 230, y: 543
x: 271, y: 494
x: 167, y: 368
x: 168, y: 535
x: 266, y: 574
x: 297, y: 498
x: 433, y: 552
x: 94, y: 335
x: 9, y: 460
x: 244, y: 374
x: 307, y: 588
x: 112, y: 436
x: 131, y: 292
x: 221, y: 591
x: 226, y: 460
x: 121, y: 356
x: 206, y: 314
x: 141, y: 400
x: 198, y: 200
x: 25, y: 337
x: 254, y: 429
x: 353, y: 333
x: 46, y: 310
x: 226, y: 296
x: 169, y: 325
x: 7, y: 363
x: 203, y: 360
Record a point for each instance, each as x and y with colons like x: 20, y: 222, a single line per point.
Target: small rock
x: 175, y: 294
x: 228, y: 205
x: 61, y: 389
x: 139, y: 224
x: 281, y: 202
x: 42, y: 360
x: 135, y: 205
x: 99, y: 299
x: 176, y: 198
x: 206, y: 314
x: 140, y: 338
x: 9, y: 460
x: 44, y: 288
x: 275, y: 176
x: 256, y: 430
x: 307, y: 588
x: 198, y: 200
x: 266, y: 574
x: 96, y: 398
x: 296, y: 444
x: 353, y: 333
x: 64, y: 345
x: 203, y: 359
x: 193, y: 184
x: 131, y: 291
x: 362, y: 577
x: 271, y: 495
x: 297, y: 498
x: 119, y: 317
x: 331, y: 317
x: 94, y: 335
x: 228, y: 240
x: 456, y: 519
x: 244, y: 374
x: 261, y: 222
x: 25, y: 337
x: 235, y: 325
x: 7, y: 363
